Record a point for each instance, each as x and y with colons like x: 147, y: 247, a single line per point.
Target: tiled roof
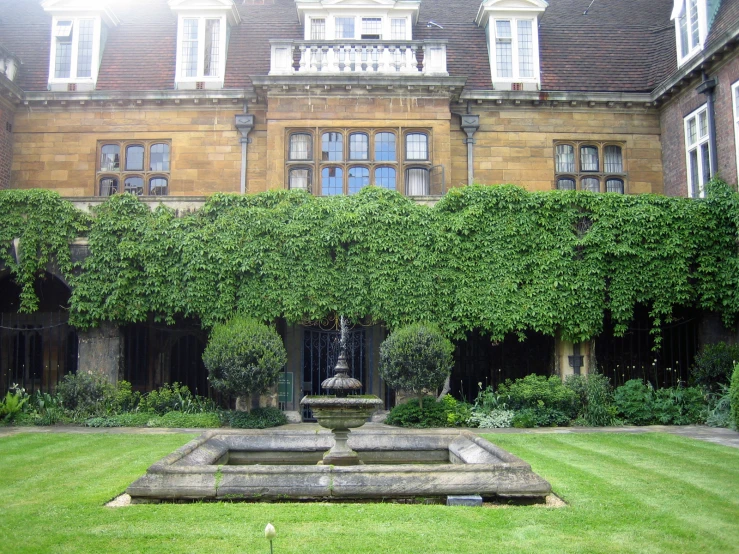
x: 727, y: 18
x: 618, y: 46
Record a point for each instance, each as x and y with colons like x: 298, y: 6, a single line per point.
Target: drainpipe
x: 244, y: 124
x: 470, y: 124
x: 707, y: 87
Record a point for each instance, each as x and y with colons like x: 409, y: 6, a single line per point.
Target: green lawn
x: 626, y: 493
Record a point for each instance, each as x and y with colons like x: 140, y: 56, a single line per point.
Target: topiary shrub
x: 244, y: 357
x: 85, y: 394
x: 734, y: 397
x: 714, y: 364
x: 416, y: 358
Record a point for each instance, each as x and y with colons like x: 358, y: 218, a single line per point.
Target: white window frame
x: 222, y: 48
x: 406, y: 27
x: 309, y: 27
x: 735, y: 104
x: 96, y: 30
x: 680, y: 7
x: 700, y: 141
x: 332, y: 32
x: 492, y: 36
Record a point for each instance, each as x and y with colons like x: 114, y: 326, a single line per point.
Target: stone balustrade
x: 336, y: 57
x: 8, y: 64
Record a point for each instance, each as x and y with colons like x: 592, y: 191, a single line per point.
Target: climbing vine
x: 497, y: 259
x: 40, y: 226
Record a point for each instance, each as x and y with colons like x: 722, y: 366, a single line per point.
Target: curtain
x: 417, y: 182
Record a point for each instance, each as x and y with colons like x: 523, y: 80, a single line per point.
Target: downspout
x: 470, y: 125
x: 707, y: 87
x: 244, y: 124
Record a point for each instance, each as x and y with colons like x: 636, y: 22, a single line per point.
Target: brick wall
x: 516, y: 145
x: 6, y: 145
x: 673, y: 134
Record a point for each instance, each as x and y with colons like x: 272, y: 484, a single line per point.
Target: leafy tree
x: 244, y: 357
x: 416, y: 358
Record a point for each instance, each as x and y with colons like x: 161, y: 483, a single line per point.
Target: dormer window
x: 201, y: 47
x: 690, y: 27
x: 77, y: 39
x: 514, y: 49
x: 74, y: 46
x: 513, y: 41
x: 202, y: 42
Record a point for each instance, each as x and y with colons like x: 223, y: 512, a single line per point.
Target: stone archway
x: 38, y: 349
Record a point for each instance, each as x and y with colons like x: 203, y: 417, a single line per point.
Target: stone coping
x: 199, y: 470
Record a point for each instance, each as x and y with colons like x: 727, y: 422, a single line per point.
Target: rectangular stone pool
x: 398, y: 464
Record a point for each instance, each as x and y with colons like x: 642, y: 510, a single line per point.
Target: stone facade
x: 57, y: 149
x: 516, y: 144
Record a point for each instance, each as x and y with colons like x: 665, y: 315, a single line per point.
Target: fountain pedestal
x: 341, y: 414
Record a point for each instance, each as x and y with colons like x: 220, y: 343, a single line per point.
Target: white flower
x: 269, y: 532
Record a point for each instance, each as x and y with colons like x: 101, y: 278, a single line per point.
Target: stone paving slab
x: 725, y: 437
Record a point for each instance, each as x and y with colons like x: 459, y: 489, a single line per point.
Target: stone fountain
x: 382, y: 464
x: 341, y: 412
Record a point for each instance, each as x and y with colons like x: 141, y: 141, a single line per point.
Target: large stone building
x: 175, y: 100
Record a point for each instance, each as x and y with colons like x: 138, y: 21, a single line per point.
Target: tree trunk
x: 445, y: 389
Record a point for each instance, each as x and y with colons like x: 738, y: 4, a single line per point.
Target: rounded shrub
x: 244, y: 357
x: 416, y: 358
x: 734, y: 397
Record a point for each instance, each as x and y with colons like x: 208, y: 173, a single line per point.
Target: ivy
x: 497, y: 259
x: 44, y: 225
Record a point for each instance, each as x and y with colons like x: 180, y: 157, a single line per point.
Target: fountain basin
x: 397, y: 465
x: 349, y: 412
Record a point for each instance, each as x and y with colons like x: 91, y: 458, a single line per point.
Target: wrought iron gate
x: 36, y: 350
x: 155, y: 354
x: 633, y: 355
x: 320, y: 353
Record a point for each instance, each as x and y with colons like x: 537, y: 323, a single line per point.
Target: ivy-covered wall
x: 494, y: 258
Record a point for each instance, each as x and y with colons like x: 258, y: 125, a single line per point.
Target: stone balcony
x: 367, y: 57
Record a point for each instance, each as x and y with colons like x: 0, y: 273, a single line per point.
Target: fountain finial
x: 341, y: 383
